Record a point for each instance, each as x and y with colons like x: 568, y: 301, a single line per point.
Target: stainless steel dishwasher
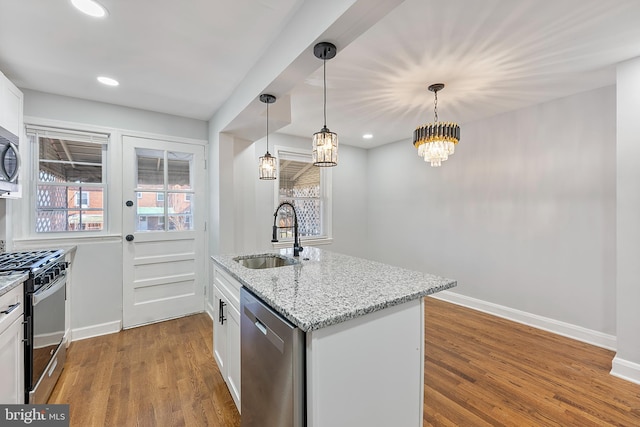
x: 273, y: 367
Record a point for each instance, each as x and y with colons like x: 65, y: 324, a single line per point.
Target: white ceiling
x: 177, y: 57
x: 186, y: 58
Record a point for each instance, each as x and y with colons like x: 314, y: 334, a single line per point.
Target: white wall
x: 627, y: 361
x: 523, y: 215
x: 253, y: 199
x: 96, y: 277
x: 40, y: 104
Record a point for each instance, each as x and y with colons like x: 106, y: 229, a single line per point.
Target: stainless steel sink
x: 265, y: 261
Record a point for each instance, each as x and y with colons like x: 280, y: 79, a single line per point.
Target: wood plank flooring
x: 156, y: 375
x: 480, y: 370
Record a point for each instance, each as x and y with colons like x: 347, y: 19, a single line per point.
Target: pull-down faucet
x: 296, y: 243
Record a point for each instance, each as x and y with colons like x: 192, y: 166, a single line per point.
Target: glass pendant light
x: 325, y: 142
x: 436, y: 141
x: 267, y: 163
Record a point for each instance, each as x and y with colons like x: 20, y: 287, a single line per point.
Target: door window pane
x: 149, y: 211
x: 180, y: 212
x: 150, y: 169
x: 179, y: 170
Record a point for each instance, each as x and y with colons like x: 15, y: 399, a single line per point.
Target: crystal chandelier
x: 267, y: 163
x: 325, y: 142
x: 436, y: 141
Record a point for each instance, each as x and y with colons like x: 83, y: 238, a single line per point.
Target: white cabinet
x: 11, y: 347
x: 226, y: 330
x: 11, y: 103
x: 11, y: 119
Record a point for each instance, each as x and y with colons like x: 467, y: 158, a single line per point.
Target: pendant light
x: 267, y: 163
x: 325, y: 142
x: 436, y: 141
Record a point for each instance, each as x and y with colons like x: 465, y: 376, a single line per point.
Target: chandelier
x: 267, y: 163
x: 436, y: 141
x: 325, y: 143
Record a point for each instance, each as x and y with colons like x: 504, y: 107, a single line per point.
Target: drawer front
x: 11, y: 307
x: 228, y: 285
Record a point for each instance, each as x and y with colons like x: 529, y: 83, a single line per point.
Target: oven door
x: 48, y: 333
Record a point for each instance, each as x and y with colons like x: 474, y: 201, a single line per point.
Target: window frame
x: 34, y: 132
x: 326, y: 203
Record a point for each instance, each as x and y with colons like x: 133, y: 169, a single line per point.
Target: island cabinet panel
x: 368, y: 371
x: 226, y: 330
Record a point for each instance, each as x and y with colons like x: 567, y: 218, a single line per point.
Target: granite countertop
x: 10, y: 281
x: 326, y: 288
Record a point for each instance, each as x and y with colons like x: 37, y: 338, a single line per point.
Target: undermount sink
x: 265, y: 261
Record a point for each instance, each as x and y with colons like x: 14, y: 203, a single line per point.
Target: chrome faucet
x: 296, y: 243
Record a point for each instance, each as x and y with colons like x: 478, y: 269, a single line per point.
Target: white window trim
x: 326, y: 179
x: 83, y: 133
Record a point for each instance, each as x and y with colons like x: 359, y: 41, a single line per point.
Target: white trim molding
x: 626, y: 370
x: 568, y: 330
x: 209, y: 309
x: 96, y: 330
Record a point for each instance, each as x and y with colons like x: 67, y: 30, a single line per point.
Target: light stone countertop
x: 10, y: 281
x: 328, y: 288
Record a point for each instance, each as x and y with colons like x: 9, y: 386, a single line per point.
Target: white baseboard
x: 568, y: 330
x: 626, y: 370
x: 45, y: 340
x: 96, y: 330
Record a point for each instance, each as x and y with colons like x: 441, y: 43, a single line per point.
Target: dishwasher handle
x: 261, y: 326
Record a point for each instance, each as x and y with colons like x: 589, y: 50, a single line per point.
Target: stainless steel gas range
x: 44, y: 317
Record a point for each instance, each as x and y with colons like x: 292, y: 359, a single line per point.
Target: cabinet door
x: 11, y: 99
x: 12, y: 364
x: 233, y: 354
x: 220, y: 331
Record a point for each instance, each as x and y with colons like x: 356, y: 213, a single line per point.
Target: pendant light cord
x: 267, y: 127
x: 435, y: 106
x: 324, y: 84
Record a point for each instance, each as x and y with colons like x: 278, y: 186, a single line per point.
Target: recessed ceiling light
x: 108, y: 81
x: 90, y: 7
x: 367, y: 136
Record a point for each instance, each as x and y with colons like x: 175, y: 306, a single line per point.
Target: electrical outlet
x: 2, y: 247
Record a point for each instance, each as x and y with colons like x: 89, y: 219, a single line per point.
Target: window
x: 71, y: 184
x: 165, y: 192
x: 307, y: 188
x: 81, y: 199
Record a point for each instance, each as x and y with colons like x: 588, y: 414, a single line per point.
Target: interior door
x: 164, y: 230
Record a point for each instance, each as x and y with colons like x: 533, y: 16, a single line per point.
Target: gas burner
x: 27, y: 260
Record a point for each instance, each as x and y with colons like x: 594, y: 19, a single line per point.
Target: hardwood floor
x: 156, y: 375
x: 480, y: 370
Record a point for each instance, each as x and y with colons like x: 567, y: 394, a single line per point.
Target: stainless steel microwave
x: 9, y: 163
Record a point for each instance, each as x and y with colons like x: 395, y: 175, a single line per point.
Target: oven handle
x: 49, y: 290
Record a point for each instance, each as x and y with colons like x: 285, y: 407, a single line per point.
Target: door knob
x: 129, y: 237
x: 129, y: 203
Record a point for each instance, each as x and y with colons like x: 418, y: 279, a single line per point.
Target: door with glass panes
x: 163, y: 230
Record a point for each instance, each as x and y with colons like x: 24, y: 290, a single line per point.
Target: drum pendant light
x: 267, y: 163
x: 325, y: 142
x: 436, y: 141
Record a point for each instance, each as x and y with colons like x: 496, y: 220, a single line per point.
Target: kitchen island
x: 364, y: 325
